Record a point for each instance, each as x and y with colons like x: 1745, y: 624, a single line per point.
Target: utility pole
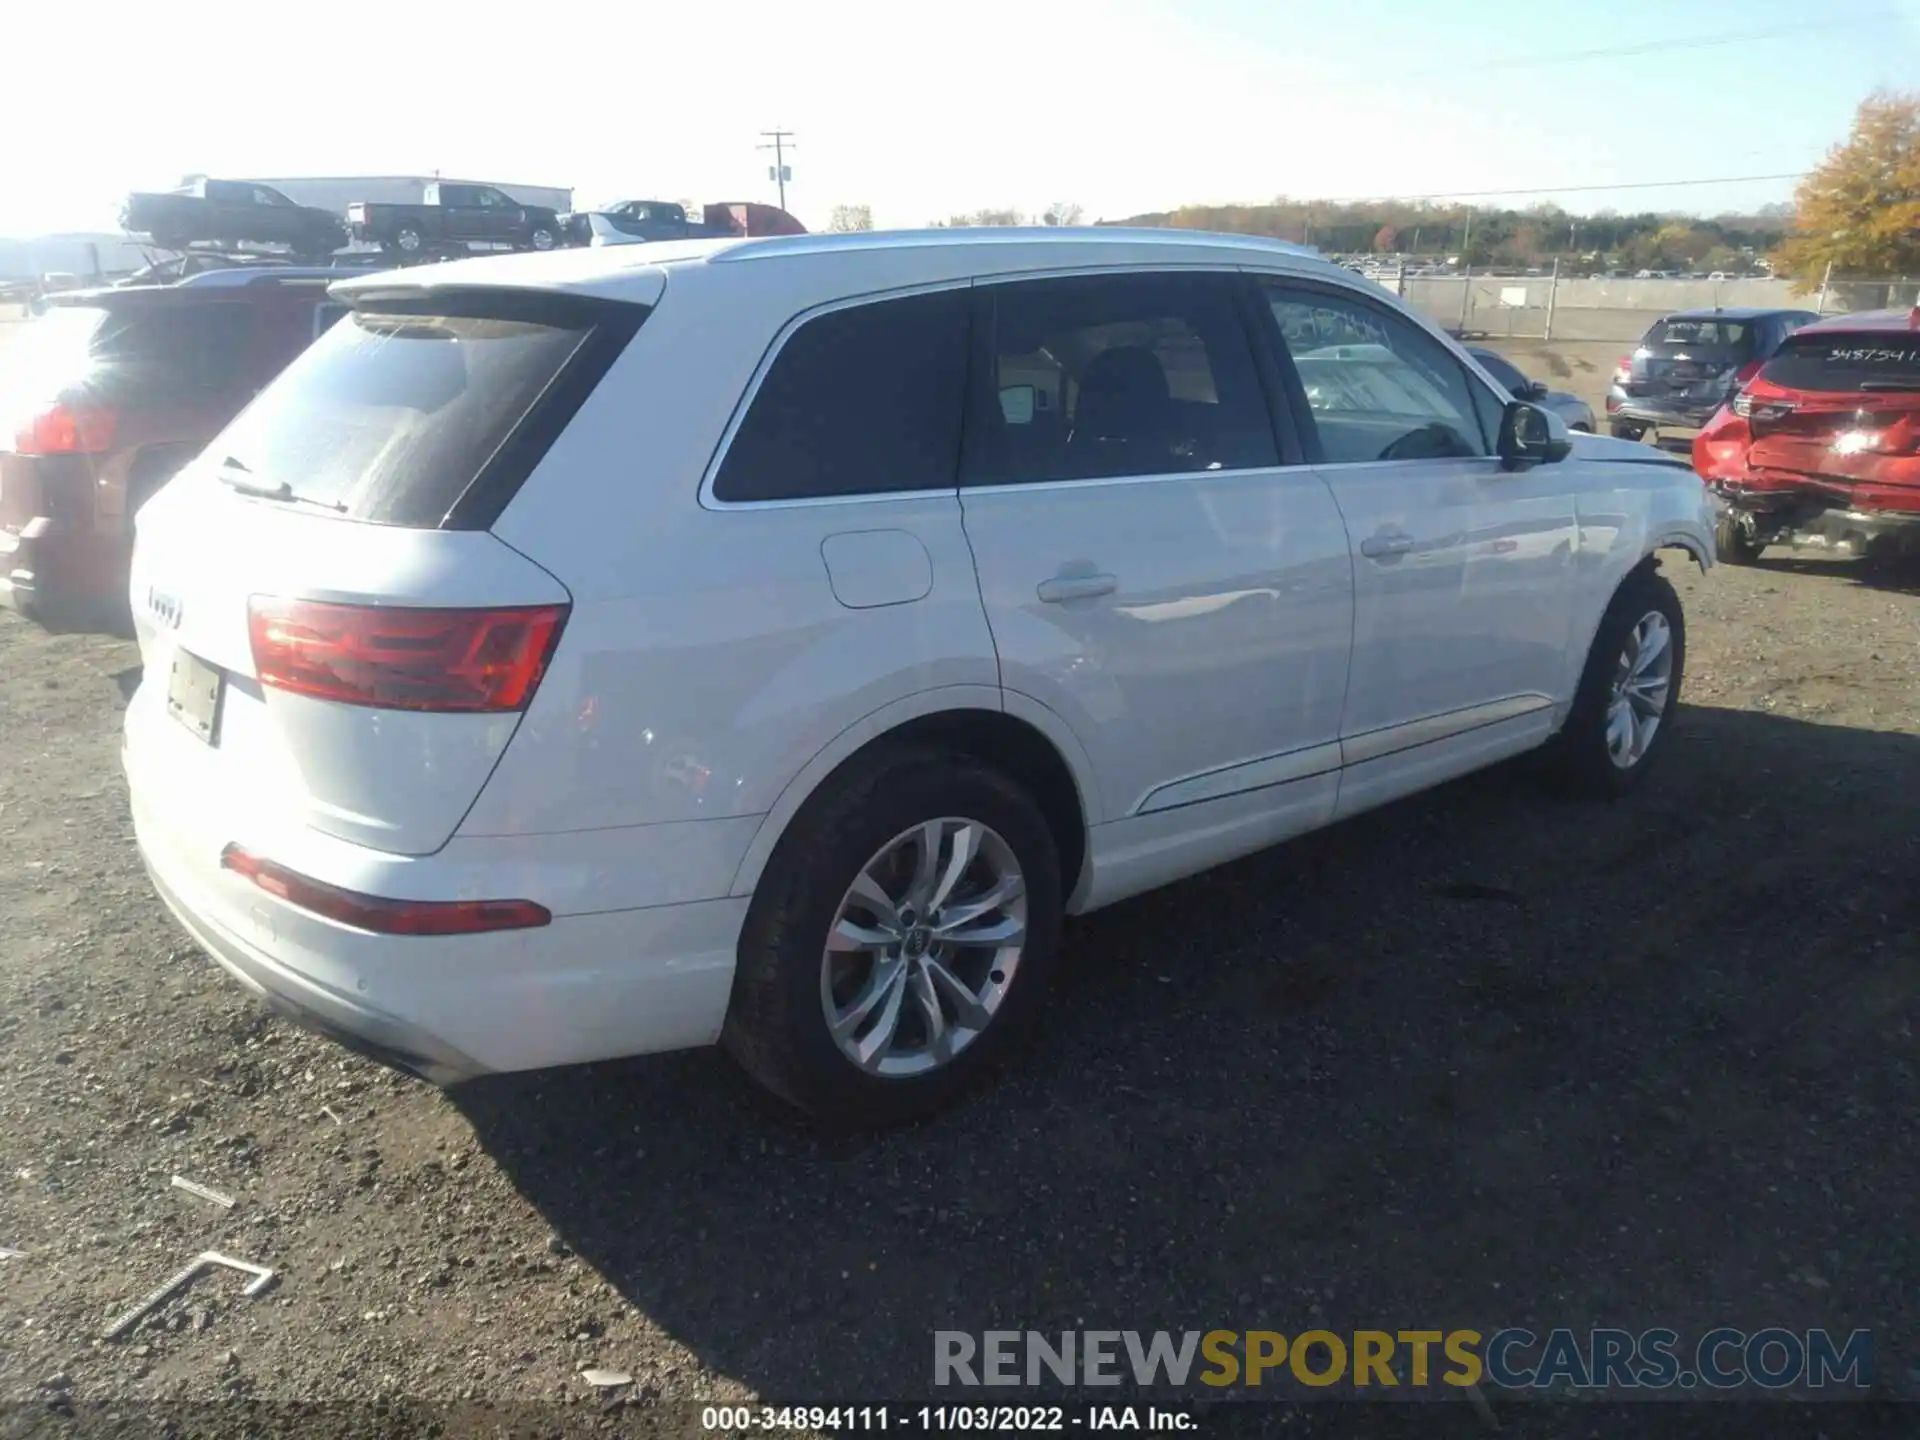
x: 782, y: 142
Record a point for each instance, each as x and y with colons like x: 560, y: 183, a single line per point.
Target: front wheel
x: 1624, y: 707
x: 902, y: 938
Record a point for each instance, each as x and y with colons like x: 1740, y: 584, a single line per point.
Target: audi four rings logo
x: 164, y: 607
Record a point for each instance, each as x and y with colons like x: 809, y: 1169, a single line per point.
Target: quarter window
x: 1377, y: 387
x: 858, y: 401
x: 1115, y: 375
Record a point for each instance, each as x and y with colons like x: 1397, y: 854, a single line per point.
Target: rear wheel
x: 408, y: 240
x: 543, y: 238
x: 1736, y: 538
x: 1623, y: 710
x: 1626, y: 430
x: 902, y: 938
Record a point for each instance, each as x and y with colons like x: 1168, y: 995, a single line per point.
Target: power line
x: 1563, y: 189
x: 1646, y: 47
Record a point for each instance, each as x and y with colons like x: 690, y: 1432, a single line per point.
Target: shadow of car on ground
x: 1484, y: 1058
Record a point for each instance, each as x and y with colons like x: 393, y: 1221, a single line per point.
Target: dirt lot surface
x: 1483, y: 1058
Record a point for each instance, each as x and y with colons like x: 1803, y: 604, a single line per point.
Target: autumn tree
x: 1386, y: 239
x: 851, y: 217
x: 1860, y: 210
x: 1062, y: 212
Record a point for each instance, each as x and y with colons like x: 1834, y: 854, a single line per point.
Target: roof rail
x: 239, y: 276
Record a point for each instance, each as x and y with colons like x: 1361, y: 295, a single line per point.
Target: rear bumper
x: 589, y: 986
x: 59, y: 576
x: 1822, y: 516
x: 1638, y: 411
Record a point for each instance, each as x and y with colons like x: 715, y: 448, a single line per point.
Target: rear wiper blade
x: 237, y: 476
x: 1890, y: 384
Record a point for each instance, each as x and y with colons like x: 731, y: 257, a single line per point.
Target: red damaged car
x: 1821, y: 448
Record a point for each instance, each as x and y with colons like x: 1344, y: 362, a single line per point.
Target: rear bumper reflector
x: 379, y: 915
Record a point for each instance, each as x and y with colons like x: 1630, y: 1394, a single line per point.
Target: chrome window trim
x: 709, y: 501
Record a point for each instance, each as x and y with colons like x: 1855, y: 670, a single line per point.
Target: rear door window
x: 392, y: 414
x: 861, y: 400
x: 1100, y: 376
x: 1847, y: 364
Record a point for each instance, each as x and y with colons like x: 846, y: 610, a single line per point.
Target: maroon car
x: 106, y: 394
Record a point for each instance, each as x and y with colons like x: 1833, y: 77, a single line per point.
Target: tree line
x: 1857, y: 214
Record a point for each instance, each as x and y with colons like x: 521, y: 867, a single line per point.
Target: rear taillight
x: 382, y: 916
x: 65, y: 430
x: 1623, y: 370
x: 357, y: 214
x: 1742, y: 404
x: 399, y: 658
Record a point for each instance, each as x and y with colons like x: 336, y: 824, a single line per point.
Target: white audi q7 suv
x: 770, y: 641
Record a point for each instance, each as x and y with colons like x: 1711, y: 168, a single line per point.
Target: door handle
x: 1379, y: 547
x: 1076, y: 587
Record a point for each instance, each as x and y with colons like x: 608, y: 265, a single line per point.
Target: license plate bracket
x: 194, y: 692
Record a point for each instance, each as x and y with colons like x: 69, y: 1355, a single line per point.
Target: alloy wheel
x: 924, y: 947
x: 1642, y: 685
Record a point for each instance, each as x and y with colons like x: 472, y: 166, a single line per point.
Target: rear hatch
x: 1688, y: 362
x: 104, y: 376
x: 1840, y: 406
x: 329, y: 635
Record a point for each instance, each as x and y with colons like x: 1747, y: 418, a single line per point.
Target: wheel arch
x: 1009, y: 731
x: 1698, y: 548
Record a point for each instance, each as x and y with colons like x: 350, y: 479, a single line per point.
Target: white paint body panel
x: 1250, y: 675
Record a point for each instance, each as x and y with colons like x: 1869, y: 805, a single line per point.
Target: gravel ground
x: 1483, y: 1058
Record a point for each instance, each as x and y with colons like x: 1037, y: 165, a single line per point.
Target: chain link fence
x: 1548, y: 307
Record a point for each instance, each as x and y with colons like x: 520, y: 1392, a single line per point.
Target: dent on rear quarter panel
x: 707, y: 659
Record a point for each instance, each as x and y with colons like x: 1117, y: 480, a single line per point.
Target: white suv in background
x: 769, y: 641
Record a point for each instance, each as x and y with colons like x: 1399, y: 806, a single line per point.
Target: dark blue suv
x: 1689, y: 364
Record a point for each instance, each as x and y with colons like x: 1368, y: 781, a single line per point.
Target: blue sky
x: 922, y: 109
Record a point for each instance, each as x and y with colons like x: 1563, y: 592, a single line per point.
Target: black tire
x: 1581, y: 429
x: 776, y: 1025
x: 542, y: 237
x: 1580, y: 753
x: 407, y: 241
x: 1735, y: 542
x: 1626, y: 430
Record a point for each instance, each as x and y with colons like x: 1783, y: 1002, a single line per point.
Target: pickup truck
x: 628, y: 222
x: 232, y: 212
x: 455, y: 217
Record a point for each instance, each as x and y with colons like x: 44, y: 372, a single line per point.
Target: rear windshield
x: 388, y: 417
x: 1847, y: 363
x: 172, y: 347
x: 1721, y: 335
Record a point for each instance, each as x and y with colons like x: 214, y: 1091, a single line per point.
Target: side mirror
x: 1530, y: 436
x: 1535, y: 390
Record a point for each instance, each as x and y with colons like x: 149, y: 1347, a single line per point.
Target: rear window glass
x: 1847, y: 363
x: 167, y: 347
x: 1701, y: 334
x: 390, y: 417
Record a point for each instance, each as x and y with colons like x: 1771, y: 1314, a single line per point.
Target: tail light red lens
x: 1623, y: 370
x: 66, y: 430
x: 400, y: 658
x: 384, y: 917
